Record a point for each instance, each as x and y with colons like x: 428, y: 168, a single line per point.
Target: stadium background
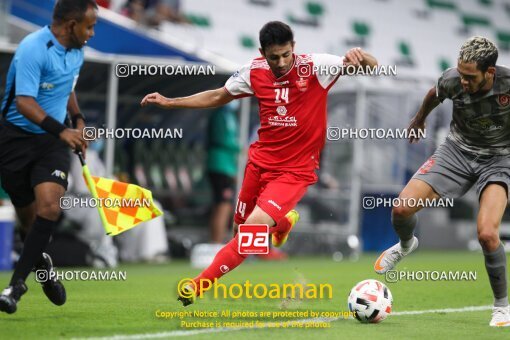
x: 336, y: 239
x: 421, y: 38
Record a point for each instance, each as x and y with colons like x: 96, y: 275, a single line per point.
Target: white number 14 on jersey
x: 282, y: 94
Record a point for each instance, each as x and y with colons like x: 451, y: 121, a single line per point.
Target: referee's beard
x: 75, y: 41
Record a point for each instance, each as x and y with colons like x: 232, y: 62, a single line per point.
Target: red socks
x: 282, y: 226
x: 226, y: 260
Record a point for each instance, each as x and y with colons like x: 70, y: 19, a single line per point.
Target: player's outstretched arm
x: 202, y: 100
x: 418, y: 122
x: 358, y: 57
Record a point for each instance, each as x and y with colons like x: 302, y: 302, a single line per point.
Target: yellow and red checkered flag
x: 121, y: 205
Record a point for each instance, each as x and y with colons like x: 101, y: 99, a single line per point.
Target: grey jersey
x: 480, y: 123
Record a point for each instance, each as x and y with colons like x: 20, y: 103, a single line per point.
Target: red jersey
x: 292, y: 109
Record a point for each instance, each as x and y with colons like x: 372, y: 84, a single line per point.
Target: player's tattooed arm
x: 418, y: 122
x: 358, y: 57
x: 202, y: 100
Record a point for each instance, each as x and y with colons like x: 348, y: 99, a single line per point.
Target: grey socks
x: 495, y: 263
x: 404, y: 226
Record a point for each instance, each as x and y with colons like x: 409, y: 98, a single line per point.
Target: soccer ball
x: 370, y: 301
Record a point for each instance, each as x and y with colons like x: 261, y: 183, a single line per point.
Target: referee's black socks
x: 36, y: 240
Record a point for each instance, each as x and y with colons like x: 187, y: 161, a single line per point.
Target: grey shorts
x: 451, y: 171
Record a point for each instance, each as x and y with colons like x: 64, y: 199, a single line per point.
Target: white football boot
x: 500, y: 317
x: 391, y: 256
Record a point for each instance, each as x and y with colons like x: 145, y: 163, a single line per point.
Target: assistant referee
x: 34, y: 142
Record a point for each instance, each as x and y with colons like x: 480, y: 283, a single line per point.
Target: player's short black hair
x: 65, y: 10
x: 275, y: 33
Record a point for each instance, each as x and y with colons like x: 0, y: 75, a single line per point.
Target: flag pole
x: 92, y: 188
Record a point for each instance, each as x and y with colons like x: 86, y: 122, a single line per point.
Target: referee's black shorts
x: 28, y: 159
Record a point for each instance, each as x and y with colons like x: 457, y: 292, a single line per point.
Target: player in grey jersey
x: 481, y: 119
x: 476, y: 152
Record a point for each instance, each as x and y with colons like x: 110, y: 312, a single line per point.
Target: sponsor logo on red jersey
x: 302, y: 84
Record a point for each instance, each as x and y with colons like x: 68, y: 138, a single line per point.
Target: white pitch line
x: 446, y: 310
x: 304, y: 321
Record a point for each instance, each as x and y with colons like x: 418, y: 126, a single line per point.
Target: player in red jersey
x: 292, y: 91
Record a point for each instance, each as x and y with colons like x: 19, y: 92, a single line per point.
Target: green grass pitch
x: 113, y: 308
